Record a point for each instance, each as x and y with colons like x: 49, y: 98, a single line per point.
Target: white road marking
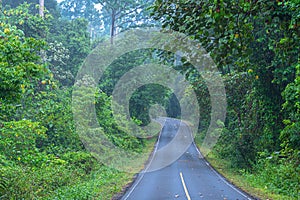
x: 184, y: 187
x: 181, y: 176
x: 220, y: 176
x: 144, y: 171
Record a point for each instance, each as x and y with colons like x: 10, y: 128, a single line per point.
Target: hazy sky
x: 97, y: 6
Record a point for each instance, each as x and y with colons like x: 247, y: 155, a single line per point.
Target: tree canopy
x: 254, y: 43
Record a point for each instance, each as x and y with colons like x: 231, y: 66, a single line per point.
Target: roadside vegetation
x: 41, y: 155
x: 254, y: 43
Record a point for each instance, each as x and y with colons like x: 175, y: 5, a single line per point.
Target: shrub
x: 18, y: 140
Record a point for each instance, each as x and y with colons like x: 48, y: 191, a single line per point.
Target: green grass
x: 103, y: 183
x: 75, y: 175
x: 250, y: 183
x: 247, y: 182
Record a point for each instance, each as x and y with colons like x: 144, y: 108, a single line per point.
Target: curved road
x: 177, y: 170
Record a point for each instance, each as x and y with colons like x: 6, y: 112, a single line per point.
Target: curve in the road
x: 189, y: 176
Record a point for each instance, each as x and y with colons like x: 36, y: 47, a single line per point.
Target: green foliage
x: 120, y: 66
x: 80, y: 160
x: 201, y: 90
x: 255, y: 45
x: 19, y: 140
x: 238, y: 138
x: 70, y: 44
x: 58, y: 56
x: 120, y: 138
x: 124, y: 14
x: 50, y: 5
x: 41, y: 155
x: 26, y: 171
x: 31, y: 24
x: 290, y: 135
x: 20, y: 64
x: 52, y: 108
x: 218, y: 25
x: 103, y: 183
x: 3, y: 180
x: 29, y: 182
x: 145, y: 97
x: 72, y: 9
x: 276, y: 174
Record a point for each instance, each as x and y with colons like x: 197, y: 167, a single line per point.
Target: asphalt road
x: 177, y: 170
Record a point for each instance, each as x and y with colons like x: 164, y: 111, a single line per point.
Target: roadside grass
x: 250, y: 183
x: 103, y: 183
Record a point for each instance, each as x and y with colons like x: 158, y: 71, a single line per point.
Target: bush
x: 18, y: 140
x: 19, y: 181
x: 276, y: 174
x: 80, y: 160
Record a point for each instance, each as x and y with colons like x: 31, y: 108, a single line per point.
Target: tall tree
x: 50, y: 5
x: 69, y: 45
x: 20, y: 66
x: 124, y: 14
x: 41, y: 8
x: 258, y: 39
x: 72, y: 9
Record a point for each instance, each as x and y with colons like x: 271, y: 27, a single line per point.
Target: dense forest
x: 43, y: 44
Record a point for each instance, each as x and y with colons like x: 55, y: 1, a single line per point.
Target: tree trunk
x: 113, y: 28
x: 41, y: 10
x: 41, y: 13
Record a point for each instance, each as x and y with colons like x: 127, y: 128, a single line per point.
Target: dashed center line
x: 184, y: 187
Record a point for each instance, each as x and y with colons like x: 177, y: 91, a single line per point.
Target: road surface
x: 177, y: 170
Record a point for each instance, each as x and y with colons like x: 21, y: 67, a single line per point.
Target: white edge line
x: 143, y: 171
x: 221, y: 177
x: 184, y: 187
